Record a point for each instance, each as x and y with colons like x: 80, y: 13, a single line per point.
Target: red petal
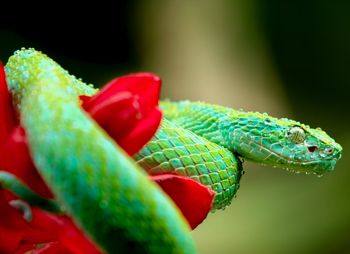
x: 15, y: 158
x: 145, y: 85
x: 40, y: 233
x: 34, y: 236
x: 10, y: 238
x: 52, y: 248
x: 118, y: 109
x: 45, y: 221
x: 61, y: 229
x: 12, y: 226
x: 14, y: 151
x: 192, y: 198
x: 16, y: 233
x: 65, y: 232
x: 142, y: 133
x: 73, y: 239
x: 24, y: 248
x: 127, y: 109
x: 7, y: 113
x: 84, y: 99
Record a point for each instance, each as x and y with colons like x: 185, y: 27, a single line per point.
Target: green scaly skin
x: 205, y: 142
x: 94, y: 181
x: 177, y: 150
x: 258, y: 137
x: 198, y: 140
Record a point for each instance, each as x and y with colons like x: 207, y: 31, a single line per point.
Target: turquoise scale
x: 180, y: 151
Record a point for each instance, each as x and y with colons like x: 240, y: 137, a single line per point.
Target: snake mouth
x: 287, y: 162
x: 307, y: 166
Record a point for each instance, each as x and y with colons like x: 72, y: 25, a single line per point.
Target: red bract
x: 127, y: 108
x: 14, y: 151
x: 19, y: 235
x: 6, y: 109
x: 192, y: 198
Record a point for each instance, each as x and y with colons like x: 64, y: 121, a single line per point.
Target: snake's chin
x: 316, y: 167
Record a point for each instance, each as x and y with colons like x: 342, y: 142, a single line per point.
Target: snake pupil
x: 330, y: 150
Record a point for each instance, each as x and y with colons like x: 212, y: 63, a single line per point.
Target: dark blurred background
x: 287, y: 58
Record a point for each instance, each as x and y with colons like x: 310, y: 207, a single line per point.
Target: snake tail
x: 104, y: 191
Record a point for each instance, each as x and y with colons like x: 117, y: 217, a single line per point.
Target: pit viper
x: 90, y: 175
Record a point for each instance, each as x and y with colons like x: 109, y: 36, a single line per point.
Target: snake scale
x: 90, y: 175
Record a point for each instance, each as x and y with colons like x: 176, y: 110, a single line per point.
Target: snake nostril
x: 312, y: 148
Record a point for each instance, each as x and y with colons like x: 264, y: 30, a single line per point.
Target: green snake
x: 89, y: 174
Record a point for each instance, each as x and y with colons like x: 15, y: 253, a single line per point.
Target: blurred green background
x: 287, y: 58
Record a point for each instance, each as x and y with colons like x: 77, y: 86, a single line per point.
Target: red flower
x: 127, y: 108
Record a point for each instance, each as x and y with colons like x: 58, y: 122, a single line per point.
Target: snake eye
x: 296, y: 134
x: 329, y: 150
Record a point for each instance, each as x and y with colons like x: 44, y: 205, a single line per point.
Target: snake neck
x: 215, y: 123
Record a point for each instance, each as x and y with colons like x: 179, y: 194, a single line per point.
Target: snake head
x: 285, y: 143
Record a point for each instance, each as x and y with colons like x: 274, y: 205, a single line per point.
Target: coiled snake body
x: 89, y: 175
